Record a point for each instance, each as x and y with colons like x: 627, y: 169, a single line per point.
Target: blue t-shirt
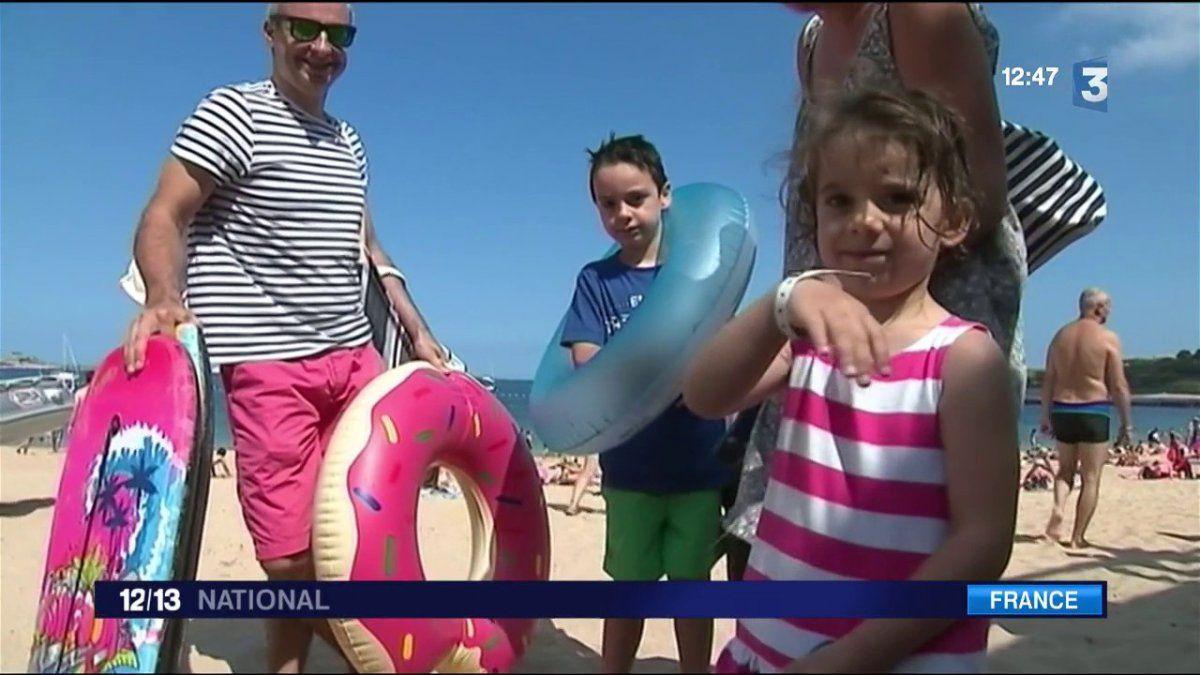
x: 677, y: 451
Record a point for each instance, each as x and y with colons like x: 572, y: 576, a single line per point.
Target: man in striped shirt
x: 271, y: 192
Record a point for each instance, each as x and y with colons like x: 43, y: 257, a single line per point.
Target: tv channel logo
x: 1091, y: 84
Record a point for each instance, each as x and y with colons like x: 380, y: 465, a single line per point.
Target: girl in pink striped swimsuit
x: 897, y: 456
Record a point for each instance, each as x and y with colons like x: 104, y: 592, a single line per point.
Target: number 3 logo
x: 1096, y: 82
x: 1091, y: 84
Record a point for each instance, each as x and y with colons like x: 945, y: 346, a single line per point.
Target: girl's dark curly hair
x: 931, y: 131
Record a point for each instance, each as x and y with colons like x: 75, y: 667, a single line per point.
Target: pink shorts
x: 281, y: 414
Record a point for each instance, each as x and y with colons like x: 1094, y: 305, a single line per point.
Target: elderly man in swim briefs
x: 271, y: 192
x: 1084, y: 370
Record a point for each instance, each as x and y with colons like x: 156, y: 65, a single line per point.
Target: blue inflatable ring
x: 708, y: 252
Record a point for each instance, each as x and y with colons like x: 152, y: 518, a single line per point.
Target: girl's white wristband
x: 784, y: 292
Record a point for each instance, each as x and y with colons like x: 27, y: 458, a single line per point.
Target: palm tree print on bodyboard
x: 130, y: 506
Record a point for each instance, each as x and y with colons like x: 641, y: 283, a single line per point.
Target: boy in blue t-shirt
x: 661, y: 487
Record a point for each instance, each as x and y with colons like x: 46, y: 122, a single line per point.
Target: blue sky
x: 476, y: 118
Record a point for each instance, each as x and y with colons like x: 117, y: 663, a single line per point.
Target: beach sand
x: 1146, y: 537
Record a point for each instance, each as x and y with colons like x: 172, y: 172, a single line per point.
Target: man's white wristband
x: 389, y: 271
x: 784, y: 292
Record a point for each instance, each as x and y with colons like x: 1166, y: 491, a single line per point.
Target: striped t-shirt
x: 274, y: 268
x: 857, y: 491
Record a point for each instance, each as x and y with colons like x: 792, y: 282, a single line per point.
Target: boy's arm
x: 582, y: 352
x: 979, y: 432
x: 746, y: 361
x: 583, y: 331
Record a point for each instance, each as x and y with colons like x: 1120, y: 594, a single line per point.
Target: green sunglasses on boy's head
x: 307, y: 30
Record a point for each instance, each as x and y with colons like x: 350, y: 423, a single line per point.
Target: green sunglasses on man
x: 307, y: 30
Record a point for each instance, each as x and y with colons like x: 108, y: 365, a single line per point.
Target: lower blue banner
x: 595, y: 599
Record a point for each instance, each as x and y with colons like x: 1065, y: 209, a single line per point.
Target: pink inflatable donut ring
x: 365, y: 516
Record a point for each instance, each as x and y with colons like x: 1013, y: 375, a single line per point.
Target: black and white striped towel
x: 387, y: 335
x: 1056, y: 200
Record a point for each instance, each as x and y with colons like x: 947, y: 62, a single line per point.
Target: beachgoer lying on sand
x: 1177, y: 456
x: 582, y: 481
x: 555, y: 472
x: 1127, y: 454
x: 1131, y: 457
x: 1171, y: 463
x: 1040, y: 475
x: 1156, y: 468
x: 559, y: 470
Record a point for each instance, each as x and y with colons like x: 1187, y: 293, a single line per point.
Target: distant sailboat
x: 68, y: 360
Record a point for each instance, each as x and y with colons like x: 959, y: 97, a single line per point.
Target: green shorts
x: 649, y: 535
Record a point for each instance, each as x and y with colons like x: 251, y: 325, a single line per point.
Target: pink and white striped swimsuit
x: 857, y: 490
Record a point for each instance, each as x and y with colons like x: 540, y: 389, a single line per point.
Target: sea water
x: 514, y: 395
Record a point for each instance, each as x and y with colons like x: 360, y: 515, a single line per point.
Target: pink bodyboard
x: 130, y: 506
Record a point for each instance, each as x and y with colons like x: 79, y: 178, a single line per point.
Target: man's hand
x: 1125, y: 437
x: 160, y: 317
x: 1044, y: 426
x: 426, y: 348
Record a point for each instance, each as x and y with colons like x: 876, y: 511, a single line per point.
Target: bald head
x: 274, y: 8
x: 1094, y: 303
